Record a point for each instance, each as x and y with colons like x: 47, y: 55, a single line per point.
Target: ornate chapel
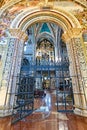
x: 43, y: 64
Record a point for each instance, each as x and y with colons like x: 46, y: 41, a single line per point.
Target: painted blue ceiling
x: 45, y: 28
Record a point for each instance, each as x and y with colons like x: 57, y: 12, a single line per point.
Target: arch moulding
x: 38, y: 14
x: 72, y: 33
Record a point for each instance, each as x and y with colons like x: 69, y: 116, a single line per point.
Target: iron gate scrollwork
x: 43, y: 76
x: 64, y: 95
x: 24, y: 98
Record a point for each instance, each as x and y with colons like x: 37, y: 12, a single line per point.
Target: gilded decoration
x: 17, y: 33
x: 71, y: 33
x: 82, y: 18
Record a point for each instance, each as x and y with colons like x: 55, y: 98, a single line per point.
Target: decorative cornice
x: 17, y: 33
x: 71, y: 33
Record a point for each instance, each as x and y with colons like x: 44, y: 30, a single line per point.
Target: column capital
x: 17, y: 33
x: 71, y: 33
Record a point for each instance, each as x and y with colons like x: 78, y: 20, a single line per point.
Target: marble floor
x: 46, y: 117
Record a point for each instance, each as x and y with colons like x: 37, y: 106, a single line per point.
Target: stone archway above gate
x: 55, y: 15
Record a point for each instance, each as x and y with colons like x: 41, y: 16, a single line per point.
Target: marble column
x: 78, y: 69
x: 10, y: 70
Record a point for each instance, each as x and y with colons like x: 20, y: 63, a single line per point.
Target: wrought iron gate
x: 64, y: 95
x: 24, y: 98
x: 48, y: 75
x: 56, y: 76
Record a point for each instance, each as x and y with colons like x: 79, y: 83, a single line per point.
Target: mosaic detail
x: 8, y: 63
x: 80, y: 53
x: 81, y: 58
x: 14, y: 51
x: 82, y: 18
x: 3, y: 50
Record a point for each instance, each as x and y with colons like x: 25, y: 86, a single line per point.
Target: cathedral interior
x: 43, y: 64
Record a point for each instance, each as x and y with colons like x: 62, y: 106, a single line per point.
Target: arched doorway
x: 48, y: 64
x: 47, y: 70
x: 61, y: 18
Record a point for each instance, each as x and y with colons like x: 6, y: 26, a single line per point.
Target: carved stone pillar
x: 78, y: 69
x: 10, y: 70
